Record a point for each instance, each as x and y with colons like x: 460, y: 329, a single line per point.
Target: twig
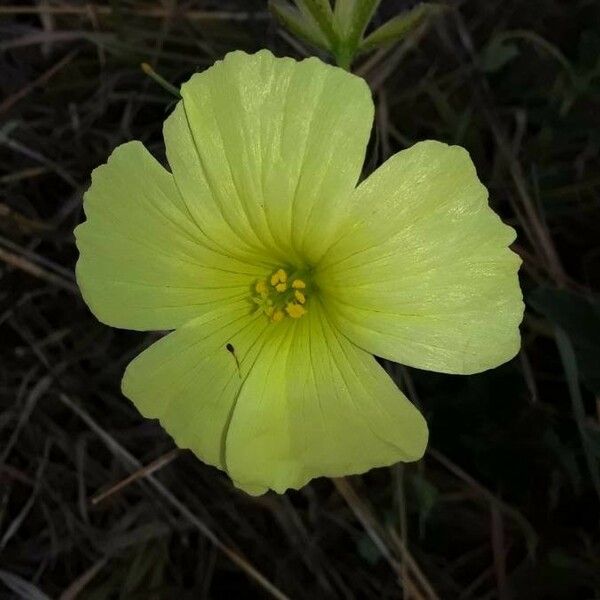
x: 42, y: 37
x: 24, y: 264
x: 38, y: 259
x: 377, y: 535
x: 499, y: 551
x: 24, y: 174
x: 412, y: 564
x: 169, y: 87
x: 38, y: 390
x: 378, y: 77
x: 472, y: 587
x: 79, y: 584
x: 141, y: 11
x: 530, y: 214
x: 132, y: 462
x: 527, y: 528
x: 41, y: 80
x: 529, y: 376
x: 23, y: 223
x: 536, y: 225
x: 398, y: 476
x: 37, y: 156
x: 155, y: 465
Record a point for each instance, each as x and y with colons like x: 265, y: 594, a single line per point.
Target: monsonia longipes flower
x: 281, y: 275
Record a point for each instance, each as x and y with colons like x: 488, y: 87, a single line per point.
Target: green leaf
x: 320, y: 11
x: 351, y: 18
x: 368, y: 550
x: 427, y: 496
x: 397, y: 28
x: 567, y: 355
x: 342, y: 15
x: 593, y: 436
x: 21, y: 588
x: 580, y: 318
x: 497, y: 53
x: 299, y: 25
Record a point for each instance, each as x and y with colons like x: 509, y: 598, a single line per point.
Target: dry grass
x: 96, y: 503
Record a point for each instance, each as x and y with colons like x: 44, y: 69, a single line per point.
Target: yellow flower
x: 281, y: 277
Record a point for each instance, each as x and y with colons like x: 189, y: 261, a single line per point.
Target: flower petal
x: 314, y: 405
x: 142, y: 262
x: 423, y: 274
x: 265, y: 149
x: 190, y: 379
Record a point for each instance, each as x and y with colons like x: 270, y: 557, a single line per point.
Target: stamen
x: 279, y: 296
x: 279, y: 276
x: 295, y: 310
x: 261, y: 288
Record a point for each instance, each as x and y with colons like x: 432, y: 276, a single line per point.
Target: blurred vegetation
x: 505, y: 503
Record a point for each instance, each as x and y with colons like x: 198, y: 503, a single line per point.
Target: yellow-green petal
x: 142, y: 264
x: 315, y: 405
x: 190, y: 379
x: 265, y: 149
x: 422, y: 273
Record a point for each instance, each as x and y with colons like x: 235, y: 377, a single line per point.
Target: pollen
x: 283, y: 293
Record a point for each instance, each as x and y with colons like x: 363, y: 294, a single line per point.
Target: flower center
x: 281, y: 296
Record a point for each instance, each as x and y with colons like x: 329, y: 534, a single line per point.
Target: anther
x: 277, y: 316
x: 280, y: 296
x: 295, y: 310
x: 280, y: 276
x: 261, y: 288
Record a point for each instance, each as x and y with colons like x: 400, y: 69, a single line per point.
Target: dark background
x: 505, y: 502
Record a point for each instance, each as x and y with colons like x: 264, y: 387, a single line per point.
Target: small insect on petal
x: 231, y: 350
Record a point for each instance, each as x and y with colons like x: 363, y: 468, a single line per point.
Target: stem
x: 160, y: 80
x: 343, y: 57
